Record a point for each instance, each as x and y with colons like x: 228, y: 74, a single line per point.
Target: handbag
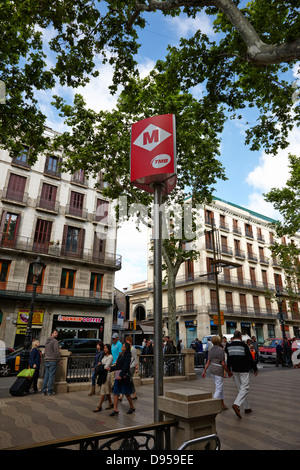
x: 29, y: 373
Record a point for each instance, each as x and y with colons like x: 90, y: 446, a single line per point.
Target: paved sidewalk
x: 273, y: 425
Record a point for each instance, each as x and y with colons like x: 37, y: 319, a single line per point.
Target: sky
x: 250, y: 174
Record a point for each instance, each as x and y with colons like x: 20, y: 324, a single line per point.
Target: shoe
x: 224, y: 407
x: 248, y: 410
x: 236, y: 410
x: 114, y: 413
x: 135, y: 398
x: 130, y: 411
x: 109, y: 407
x: 51, y: 394
x: 98, y: 409
x: 120, y: 398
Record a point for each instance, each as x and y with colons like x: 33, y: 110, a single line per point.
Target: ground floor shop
x: 188, y: 329
x: 71, y: 322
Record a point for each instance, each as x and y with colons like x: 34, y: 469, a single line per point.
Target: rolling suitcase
x: 20, y: 387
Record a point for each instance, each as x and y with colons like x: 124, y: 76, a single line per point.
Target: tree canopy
x: 245, y: 64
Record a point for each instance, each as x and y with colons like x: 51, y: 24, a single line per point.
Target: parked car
x: 267, y: 352
x: 79, y: 346
x: 11, y: 364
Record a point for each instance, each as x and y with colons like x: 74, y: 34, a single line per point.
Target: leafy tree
x: 256, y: 43
x: 101, y: 142
x: 287, y: 201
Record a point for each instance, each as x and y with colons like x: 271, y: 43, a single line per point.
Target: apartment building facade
x: 239, y: 240
x: 64, y: 219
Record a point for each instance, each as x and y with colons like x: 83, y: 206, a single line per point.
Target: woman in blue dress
x: 123, y: 384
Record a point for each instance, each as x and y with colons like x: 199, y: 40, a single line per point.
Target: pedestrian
x: 104, y: 379
x: 218, y: 367
x: 256, y: 348
x: 146, y: 359
x: 169, y: 349
x: 116, y: 347
x: 179, y: 346
x: 98, y: 356
x: 279, y: 357
x: 134, y: 365
x: 287, y: 353
x: 208, y: 347
x: 122, y: 384
x: 35, y: 363
x: 51, y: 360
x: 240, y: 362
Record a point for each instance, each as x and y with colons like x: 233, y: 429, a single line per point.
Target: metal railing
x: 57, y: 250
x: 212, y: 438
x: 173, y: 365
x: 149, y: 437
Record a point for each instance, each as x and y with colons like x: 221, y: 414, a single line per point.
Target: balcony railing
x: 12, y: 289
x: 48, y: 205
x: 11, y: 195
x: 26, y: 244
x: 243, y: 310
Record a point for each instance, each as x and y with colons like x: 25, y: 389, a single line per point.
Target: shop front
x: 22, y: 323
x: 76, y: 326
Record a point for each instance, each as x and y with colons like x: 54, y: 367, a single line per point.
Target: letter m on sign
x: 150, y: 137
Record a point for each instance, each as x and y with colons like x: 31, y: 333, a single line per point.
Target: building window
x: 252, y: 277
x: 67, y: 282
x: 101, y: 210
x: 48, y: 196
x: 79, y: 177
x: 29, y: 284
x: 42, y: 235
x: 265, y: 278
x: 96, y: 285
x: 189, y: 300
x: 209, y: 217
x: 189, y: 270
x: 76, y: 203
x: 9, y: 228
x: 240, y: 275
x: 243, y: 303
x: 22, y: 158
x: 99, y: 247
x: 229, y: 301
x: 16, y: 187
x: 248, y: 231
x: 4, y: 271
x: 73, y: 241
x: 256, y: 304
x: 52, y: 166
x: 278, y: 282
x: 213, y: 300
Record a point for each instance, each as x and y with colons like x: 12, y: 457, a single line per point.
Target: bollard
x: 194, y: 410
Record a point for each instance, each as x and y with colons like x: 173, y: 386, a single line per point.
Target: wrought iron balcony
x: 46, y: 293
x: 56, y: 250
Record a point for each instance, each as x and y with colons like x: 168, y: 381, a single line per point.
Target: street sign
x: 153, y: 153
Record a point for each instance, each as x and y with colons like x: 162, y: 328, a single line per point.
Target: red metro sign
x: 153, y: 153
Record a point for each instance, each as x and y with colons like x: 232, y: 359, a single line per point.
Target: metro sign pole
x: 153, y: 169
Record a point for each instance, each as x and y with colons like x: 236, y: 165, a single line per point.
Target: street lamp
x: 37, y: 268
x: 280, y: 313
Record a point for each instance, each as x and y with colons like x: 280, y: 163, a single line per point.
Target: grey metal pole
x: 158, y: 350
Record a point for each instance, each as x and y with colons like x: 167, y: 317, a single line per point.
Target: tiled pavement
x: 273, y: 425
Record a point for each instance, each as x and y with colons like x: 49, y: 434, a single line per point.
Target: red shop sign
x: 153, y: 153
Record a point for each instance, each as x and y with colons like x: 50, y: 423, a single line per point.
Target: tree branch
x: 258, y: 52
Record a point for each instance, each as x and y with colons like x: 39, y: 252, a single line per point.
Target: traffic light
x: 132, y: 325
